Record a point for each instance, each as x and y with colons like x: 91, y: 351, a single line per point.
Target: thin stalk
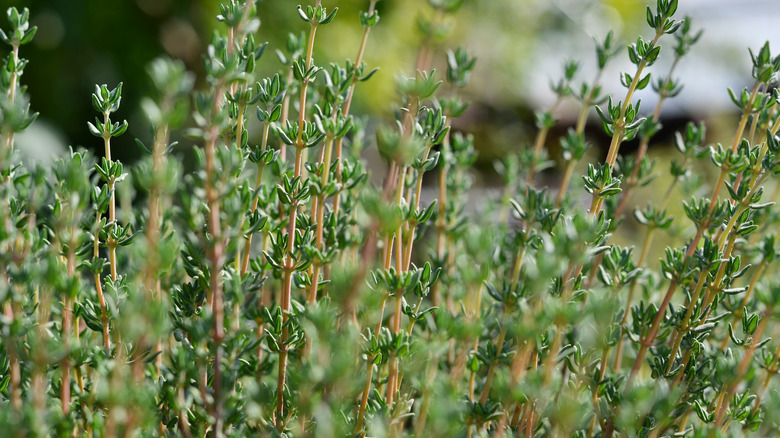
x: 771, y: 371
x: 8, y: 136
x: 685, y: 326
x: 754, y: 124
x: 67, y: 328
x: 567, y: 173
x: 370, y: 248
x: 364, y: 397
x: 13, y: 362
x: 215, y: 256
x: 288, y: 263
x: 289, y: 268
x: 348, y: 103
x: 492, y: 367
x: 441, y: 219
x: 319, y: 211
x: 572, y: 272
x: 515, y: 278
x: 529, y: 420
x: 617, y: 137
x: 649, y: 339
x: 400, y: 261
x: 8, y: 307
x: 728, y: 391
x: 255, y: 199
x: 216, y: 250
x: 419, y: 427
x: 748, y: 294
x: 370, y: 366
x: 475, y: 314
x: 154, y: 225
x: 715, y: 286
x: 368, y: 254
x: 285, y: 114
x: 582, y: 119
x: 643, y: 145
x: 729, y: 248
x: 99, y: 288
x: 631, y: 291
x: 633, y: 179
x: 239, y: 144
x: 412, y: 224
x: 541, y: 138
x: 110, y: 243
x: 395, y: 362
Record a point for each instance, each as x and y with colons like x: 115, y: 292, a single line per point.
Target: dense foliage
x: 274, y: 290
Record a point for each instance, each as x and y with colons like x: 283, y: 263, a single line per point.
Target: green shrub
x: 273, y: 290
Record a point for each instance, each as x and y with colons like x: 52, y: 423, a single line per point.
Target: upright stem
x: 238, y: 145
x: 582, y: 119
x: 441, y: 216
x: 348, y: 104
x: 285, y: 114
x: 412, y: 225
x: 151, y: 279
x: 8, y: 136
x: 320, y: 218
x: 748, y: 294
x: 215, y: 256
x: 771, y: 370
x: 111, y: 244
x: 8, y: 307
x: 288, y: 262
x: 649, y: 339
x: 67, y: 325
x: 99, y: 288
x: 541, y: 138
x: 255, y: 200
x: 492, y: 367
x: 13, y: 359
x: 728, y: 391
x: 617, y: 137
x: 368, y: 254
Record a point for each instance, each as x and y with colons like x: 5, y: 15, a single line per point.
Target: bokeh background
x: 521, y: 46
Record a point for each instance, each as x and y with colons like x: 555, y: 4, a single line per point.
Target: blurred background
x: 521, y: 47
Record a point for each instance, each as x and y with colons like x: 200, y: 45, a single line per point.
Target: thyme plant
x: 274, y: 290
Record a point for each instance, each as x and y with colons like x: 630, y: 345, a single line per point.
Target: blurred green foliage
x: 81, y: 43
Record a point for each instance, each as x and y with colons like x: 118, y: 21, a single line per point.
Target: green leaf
x: 330, y: 16
x: 303, y: 15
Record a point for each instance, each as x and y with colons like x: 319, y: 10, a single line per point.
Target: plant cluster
x: 273, y: 290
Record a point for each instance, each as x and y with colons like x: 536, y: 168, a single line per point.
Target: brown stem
x: 492, y: 367
x: 289, y: 267
x: 320, y: 218
x: 13, y: 359
x: 67, y: 328
x: 288, y: 262
x: 364, y: 397
x: 154, y: 225
x: 742, y: 368
x: 617, y: 137
x: 216, y: 260
x: 255, y: 200
x: 648, y: 340
x: 539, y: 142
x: 738, y: 313
x: 348, y: 104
